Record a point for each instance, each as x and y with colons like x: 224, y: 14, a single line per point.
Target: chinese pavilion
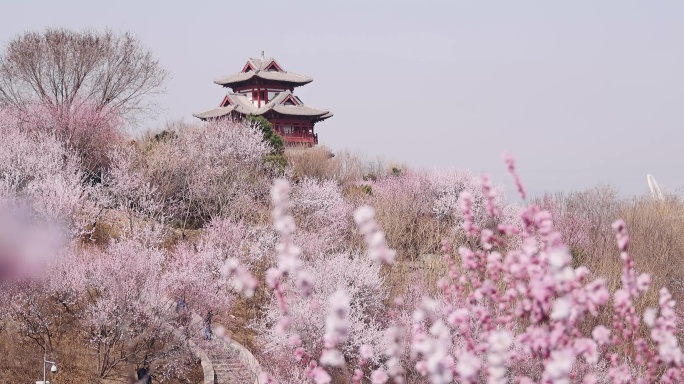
x: 264, y: 88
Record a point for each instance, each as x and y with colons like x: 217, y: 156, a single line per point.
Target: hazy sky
x: 581, y: 92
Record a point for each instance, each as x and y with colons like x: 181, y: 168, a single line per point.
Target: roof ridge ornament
x: 262, y: 56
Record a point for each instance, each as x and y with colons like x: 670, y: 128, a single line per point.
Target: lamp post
x: 53, y: 369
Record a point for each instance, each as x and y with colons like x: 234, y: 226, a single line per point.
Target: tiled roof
x: 261, y: 72
x: 241, y: 104
x: 299, y: 110
x: 326, y: 116
x: 212, y: 113
x: 262, y: 63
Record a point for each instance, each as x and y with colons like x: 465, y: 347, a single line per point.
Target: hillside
x: 105, y: 267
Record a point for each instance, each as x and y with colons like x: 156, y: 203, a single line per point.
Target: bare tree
x: 61, y: 67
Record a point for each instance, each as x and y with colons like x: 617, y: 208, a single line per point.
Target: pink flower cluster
x: 375, y: 239
x: 336, y: 329
x: 513, y: 309
x: 351, y: 285
x: 289, y: 265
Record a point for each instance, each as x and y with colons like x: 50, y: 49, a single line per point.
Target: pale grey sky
x: 581, y: 92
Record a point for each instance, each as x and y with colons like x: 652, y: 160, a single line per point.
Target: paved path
x: 228, y: 368
x: 232, y: 362
x: 223, y: 361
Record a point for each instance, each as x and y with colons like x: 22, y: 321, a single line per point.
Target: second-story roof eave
x: 214, y: 112
x: 299, y: 110
x: 292, y: 110
x: 243, y: 105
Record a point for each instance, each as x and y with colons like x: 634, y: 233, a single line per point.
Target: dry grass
x: 657, y: 246
x: 409, y: 229
x: 656, y: 232
x: 424, y: 272
x: 322, y: 164
x: 344, y: 167
x: 656, y: 240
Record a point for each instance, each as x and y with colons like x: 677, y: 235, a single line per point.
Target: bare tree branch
x: 59, y: 67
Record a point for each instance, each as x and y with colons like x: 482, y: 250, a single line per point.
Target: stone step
x: 228, y: 370
x: 228, y: 367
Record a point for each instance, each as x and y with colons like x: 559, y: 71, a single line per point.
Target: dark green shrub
x: 272, y: 138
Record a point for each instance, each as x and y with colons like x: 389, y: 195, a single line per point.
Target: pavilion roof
x: 285, y: 104
x: 213, y: 113
x: 267, y: 69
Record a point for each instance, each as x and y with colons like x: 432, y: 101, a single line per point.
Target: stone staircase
x: 223, y: 361
x: 232, y: 363
x: 228, y: 369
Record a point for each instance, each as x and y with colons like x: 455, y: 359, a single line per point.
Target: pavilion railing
x: 304, y: 138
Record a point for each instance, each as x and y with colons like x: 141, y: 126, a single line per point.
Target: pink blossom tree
x: 322, y: 215
x: 208, y: 275
x: 194, y: 173
x: 291, y: 330
x: 127, y: 189
x: 89, y: 131
x: 125, y: 307
x: 38, y: 171
x: 252, y: 245
x: 361, y: 281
